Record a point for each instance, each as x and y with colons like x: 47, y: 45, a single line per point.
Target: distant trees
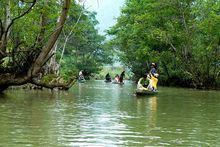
x: 182, y: 36
x: 84, y: 49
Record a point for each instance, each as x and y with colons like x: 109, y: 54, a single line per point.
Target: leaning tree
x: 20, y: 61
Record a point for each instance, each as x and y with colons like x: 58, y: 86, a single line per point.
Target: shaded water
x: 104, y: 114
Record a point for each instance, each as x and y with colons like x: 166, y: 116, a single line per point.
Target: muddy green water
x: 104, y: 114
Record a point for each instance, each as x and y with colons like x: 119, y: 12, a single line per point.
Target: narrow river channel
x: 96, y: 113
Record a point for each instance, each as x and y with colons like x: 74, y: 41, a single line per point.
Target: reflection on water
x: 104, y: 114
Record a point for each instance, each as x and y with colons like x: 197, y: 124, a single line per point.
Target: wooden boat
x: 108, y: 81
x: 81, y: 80
x: 145, y: 92
x: 115, y: 82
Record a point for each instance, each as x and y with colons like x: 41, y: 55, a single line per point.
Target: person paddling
x: 153, y: 77
x: 121, y: 77
x: 153, y: 71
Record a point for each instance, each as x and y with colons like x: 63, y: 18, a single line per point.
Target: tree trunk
x: 5, y: 25
x: 53, y: 66
x: 7, y: 17
x: 10, y: 79
x: 42, y: 58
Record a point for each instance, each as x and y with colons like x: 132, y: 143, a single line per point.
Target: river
x: 104, y: 114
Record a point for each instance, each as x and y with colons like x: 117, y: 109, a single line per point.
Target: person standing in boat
x: 153, y: 77
x: 153, y: 71
x: 122, y: 77
x: 81, y: 75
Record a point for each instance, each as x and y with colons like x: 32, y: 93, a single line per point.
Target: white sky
x: 107, y: 11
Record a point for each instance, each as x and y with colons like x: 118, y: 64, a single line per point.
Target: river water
x: 104, y: 114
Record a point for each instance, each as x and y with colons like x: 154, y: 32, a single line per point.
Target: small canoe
x: 81, y: 80
x: 145, y: 92
x: 108, y: 81
x: 115, y: 82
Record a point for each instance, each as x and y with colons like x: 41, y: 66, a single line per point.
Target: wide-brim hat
x: 153, y: 64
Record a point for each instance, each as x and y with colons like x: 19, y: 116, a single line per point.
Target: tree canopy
x: 85, y: 49
x: 33, y: 32
x: 182, y: 36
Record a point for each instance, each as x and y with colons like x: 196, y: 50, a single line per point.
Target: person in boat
x: 116, y: 79
x: 81, y: 75
x: 108, y: 78
x: 121, y: 77
x: 153, y: 77
x: 143, y: 83
x: 153, y: 71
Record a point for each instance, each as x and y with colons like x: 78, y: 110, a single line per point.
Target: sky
x: 107, y: 12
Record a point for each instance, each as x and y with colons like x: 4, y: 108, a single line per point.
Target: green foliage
x: 86, y: 49
x: 27, y: 27
x: 113, y: 71
x: 181, y: 36
x: 22, y: 22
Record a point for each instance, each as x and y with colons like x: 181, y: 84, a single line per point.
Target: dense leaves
x: 85, y: 48
x: 182, y: 36
x: 33, y: 32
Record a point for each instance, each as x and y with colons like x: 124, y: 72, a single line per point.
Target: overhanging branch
x: 23, y: 14
x: 49, y: 45
x: 61, y: 86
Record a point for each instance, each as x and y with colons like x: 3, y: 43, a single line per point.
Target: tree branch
x: 173, y: 47
x: 49, y: 45
x: 40, y: 37
x: 1, y: 28
x: 26, y: 1
x: 68, y: 36
x: 61, y: 86
x: 24, y: 13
